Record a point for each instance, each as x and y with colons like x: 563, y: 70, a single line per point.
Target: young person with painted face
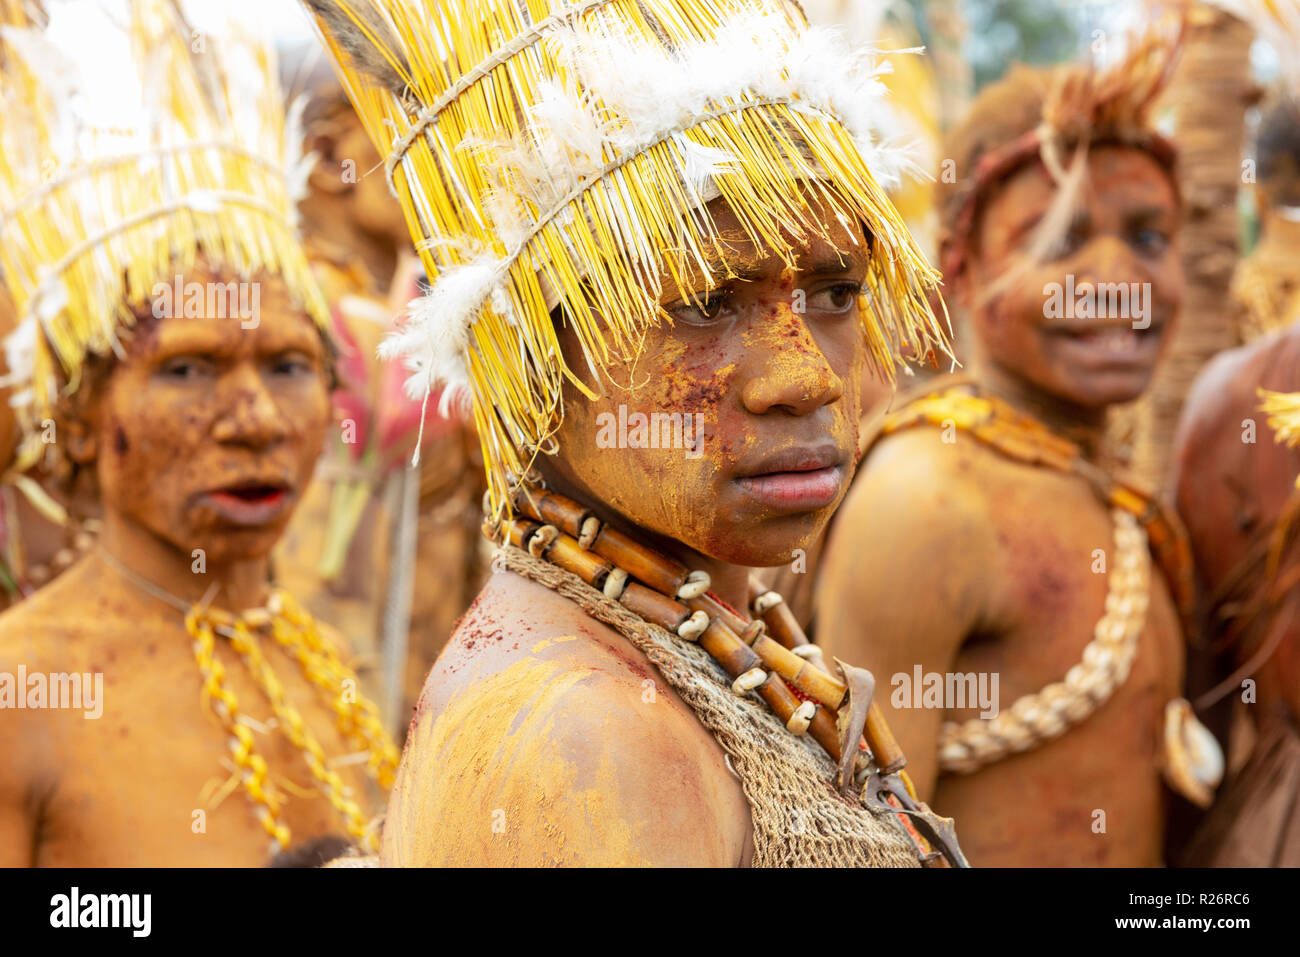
x: 161, y: 703
x: 1019, y: 601
x: 1234, y: 477
x: 632, y: 210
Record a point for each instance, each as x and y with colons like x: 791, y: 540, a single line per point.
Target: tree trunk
x: 1209, y: 95
x: 956, y: 79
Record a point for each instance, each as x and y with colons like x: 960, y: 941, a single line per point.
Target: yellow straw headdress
x: 552, y: 152
x: 118, y: 169
x: 1283, y: 411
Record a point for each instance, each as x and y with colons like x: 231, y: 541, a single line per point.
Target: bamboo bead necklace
x: 767, y: 655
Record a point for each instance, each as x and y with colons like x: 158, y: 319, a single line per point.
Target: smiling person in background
x: 1039, y: 566
x: 223, y: 706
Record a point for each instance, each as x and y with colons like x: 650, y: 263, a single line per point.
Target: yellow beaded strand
x: 252, y: 767
x: 295, y: 729
x: 357, y: 717
x: 320, y: 664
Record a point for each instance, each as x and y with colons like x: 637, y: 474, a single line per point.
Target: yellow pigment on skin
x: 547, y: 642
x: 486, y: 783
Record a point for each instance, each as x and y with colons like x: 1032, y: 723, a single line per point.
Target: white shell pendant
x: 1193, y: 761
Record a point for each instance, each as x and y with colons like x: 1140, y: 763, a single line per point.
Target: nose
x: 794, y: 375
x: 1107, y: 259
x: 250, y: 415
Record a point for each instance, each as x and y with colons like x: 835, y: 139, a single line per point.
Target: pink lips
x: 796, y: 479
x: 250, y: 507
x: 795, y: 491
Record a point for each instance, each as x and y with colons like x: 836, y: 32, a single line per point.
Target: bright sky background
x: 76, y: 26
x: 81, y: 31
x: 286, y: 20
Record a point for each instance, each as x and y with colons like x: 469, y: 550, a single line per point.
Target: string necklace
x: 294, y: 630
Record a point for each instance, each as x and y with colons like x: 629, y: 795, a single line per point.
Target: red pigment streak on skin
x: 631, y: 664
x: 703, y: 394
x: 475, y: 631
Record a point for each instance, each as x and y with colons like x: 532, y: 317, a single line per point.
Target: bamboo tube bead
x: 645, y: 565
x: 728, y: 650
x: 654, y: 607
x: 717, y: 609
x: 783, y: 626
x: 564, y: 513
x: 569, y: 555
x: 826, y: 732
x: 813, y: 682
x: 518, y: 532
x: 778, y: 697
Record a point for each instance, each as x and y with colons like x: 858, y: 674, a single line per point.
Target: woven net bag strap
x: 799, y: 820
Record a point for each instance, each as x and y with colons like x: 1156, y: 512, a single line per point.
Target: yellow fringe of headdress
x: 93, y: 216
x: 532, y: 172
x: 1283, y: 411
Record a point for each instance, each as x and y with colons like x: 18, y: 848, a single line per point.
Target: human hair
x: 1277, y: 151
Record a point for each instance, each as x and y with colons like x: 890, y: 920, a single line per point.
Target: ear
x: 79, y: 443
x: 77, y: 427
x: 956, y: 283
x: 326, y: 175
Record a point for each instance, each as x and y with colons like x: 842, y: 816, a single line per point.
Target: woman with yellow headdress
x: 167, y: 704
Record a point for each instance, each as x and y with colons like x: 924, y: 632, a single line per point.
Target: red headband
x: 998, y: 164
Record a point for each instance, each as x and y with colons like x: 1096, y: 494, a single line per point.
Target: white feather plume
x: 435, y: 336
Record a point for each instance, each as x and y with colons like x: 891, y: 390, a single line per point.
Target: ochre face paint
x: 209, y: 429
x: 768, y: 365
x: 1089, y: 326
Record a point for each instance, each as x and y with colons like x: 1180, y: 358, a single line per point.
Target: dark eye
x: 836, y: 299
x: 707, y: 308
x: 1073, y: 240
x: 185, y: 368
x: 292, y: 364
x: 1152, y: 241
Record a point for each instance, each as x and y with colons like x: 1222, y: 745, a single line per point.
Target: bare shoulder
x: 1214, y: 434
x: 1224, y: 388
x: 43, y: 664
x: 912, y: 562
x: 543, y: 737
x: 920, y: 484
x: 39, y: 629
